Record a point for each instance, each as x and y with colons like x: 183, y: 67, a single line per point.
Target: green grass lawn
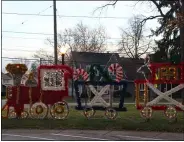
x: 129, y: 120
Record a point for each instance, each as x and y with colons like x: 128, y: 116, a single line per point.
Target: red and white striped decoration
x: 81, y: 72
x: 116, y: 69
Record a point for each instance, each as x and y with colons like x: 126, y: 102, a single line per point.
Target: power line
x: 21, y: 47
x: 46, y: 39
x: 19, y: 58
x: 8, y: 49
x: 26, y: 33
x: 65, y: 16
x: 23, y: 38
x: 36, y: 14
x: 42, y: 34
x: 39, y: 13
x: 13, y: 49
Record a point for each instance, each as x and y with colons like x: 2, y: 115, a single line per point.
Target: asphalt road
x: 88, y: 135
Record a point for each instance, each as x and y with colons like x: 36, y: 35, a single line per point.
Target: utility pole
x: 182, y: 42
x: 55, y: 32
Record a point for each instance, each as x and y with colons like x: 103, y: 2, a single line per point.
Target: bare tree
x: 80, y: 38
x: 83, y: 38
x: 133, y: 43
x: 22, y: 60
x: 44, y: 56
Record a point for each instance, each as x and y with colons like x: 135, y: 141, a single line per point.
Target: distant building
x: 130, y: 66
x: 6, y: 80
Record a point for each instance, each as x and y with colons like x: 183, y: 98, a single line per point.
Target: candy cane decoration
x: 81, y: 72
x: 116, y: 68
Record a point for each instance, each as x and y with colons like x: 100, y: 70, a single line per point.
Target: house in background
x: 85, y: 59
x: 6, y: 80
x: 130, y: 66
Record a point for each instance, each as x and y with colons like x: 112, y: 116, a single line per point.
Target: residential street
x: 55, y: 135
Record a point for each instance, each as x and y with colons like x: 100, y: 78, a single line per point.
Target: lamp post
x: 55, y: 32
x: 63, y: 56
x: 62, y: 52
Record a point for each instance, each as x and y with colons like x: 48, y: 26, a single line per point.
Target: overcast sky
x: 24, y: 45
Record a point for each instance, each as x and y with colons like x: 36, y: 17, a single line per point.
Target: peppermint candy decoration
x: 80, y: 72
x: 116, y: 69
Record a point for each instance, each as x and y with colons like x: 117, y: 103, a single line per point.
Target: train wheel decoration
x: 59, y: 110
x: 89, y: 112
x: 12, y: 114
x: 39, y: 110
x: 171, y: 113
x: 111, y: 113
x: 24, y: 114
x: 146, y: 113
x: 160, y: 74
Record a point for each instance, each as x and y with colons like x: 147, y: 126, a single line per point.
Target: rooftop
x: 92, y: 57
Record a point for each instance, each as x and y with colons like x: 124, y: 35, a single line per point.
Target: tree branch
x: 140, y: 54
x: 109, y: 4
x: 158, y: 7
x: 149, y: 18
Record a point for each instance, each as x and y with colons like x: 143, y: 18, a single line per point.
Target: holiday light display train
x: 51, y: 88
x: 161, y: 74
x: 106, y: 84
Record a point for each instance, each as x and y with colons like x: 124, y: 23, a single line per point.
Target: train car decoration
x: 106, y: 84
x: 50, y: 90
x: 160, y: 74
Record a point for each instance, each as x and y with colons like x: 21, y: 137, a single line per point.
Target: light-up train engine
x: 164, y: 81
x: 51, y: 88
